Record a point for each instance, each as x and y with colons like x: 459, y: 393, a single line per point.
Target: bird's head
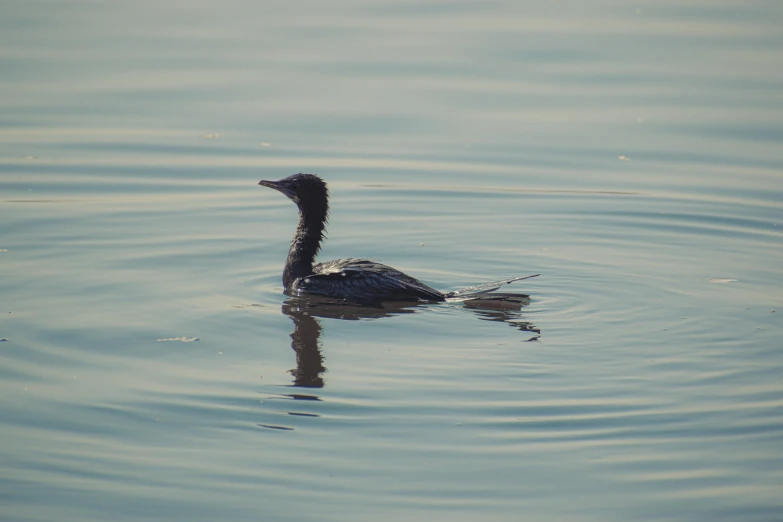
x: 308, y: 191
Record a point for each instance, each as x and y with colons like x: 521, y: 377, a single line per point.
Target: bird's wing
x: 365, y: 279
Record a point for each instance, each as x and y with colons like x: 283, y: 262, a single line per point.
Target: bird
x: 351, y: 278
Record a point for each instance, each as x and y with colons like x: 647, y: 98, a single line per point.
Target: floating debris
x: 30, y: 157
x: 265, y: 144
x: 181, y: 339
x: 273, y: 427
x: 718, y: 280
x: 211, y: 136
x: 4, y: 340
x: 3, y: 250
x: 623, y: 158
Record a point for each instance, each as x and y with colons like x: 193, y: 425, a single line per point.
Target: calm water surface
x: 629, y: 151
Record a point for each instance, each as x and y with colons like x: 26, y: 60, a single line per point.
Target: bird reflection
x: 305, y: 339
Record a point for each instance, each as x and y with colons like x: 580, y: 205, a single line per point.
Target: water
x: 627, y: 151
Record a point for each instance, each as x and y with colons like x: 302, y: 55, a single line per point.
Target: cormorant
x: 351, y: 278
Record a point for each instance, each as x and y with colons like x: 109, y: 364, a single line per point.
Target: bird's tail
x: 482, y: 290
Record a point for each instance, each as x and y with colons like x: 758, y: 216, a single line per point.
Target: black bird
x: 351, y: 278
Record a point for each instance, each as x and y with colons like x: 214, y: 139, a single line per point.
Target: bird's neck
x: 304, y: 247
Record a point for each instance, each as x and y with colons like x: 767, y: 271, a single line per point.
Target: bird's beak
x: 277, y: 186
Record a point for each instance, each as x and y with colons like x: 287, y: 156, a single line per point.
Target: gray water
x: 628, y: 151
